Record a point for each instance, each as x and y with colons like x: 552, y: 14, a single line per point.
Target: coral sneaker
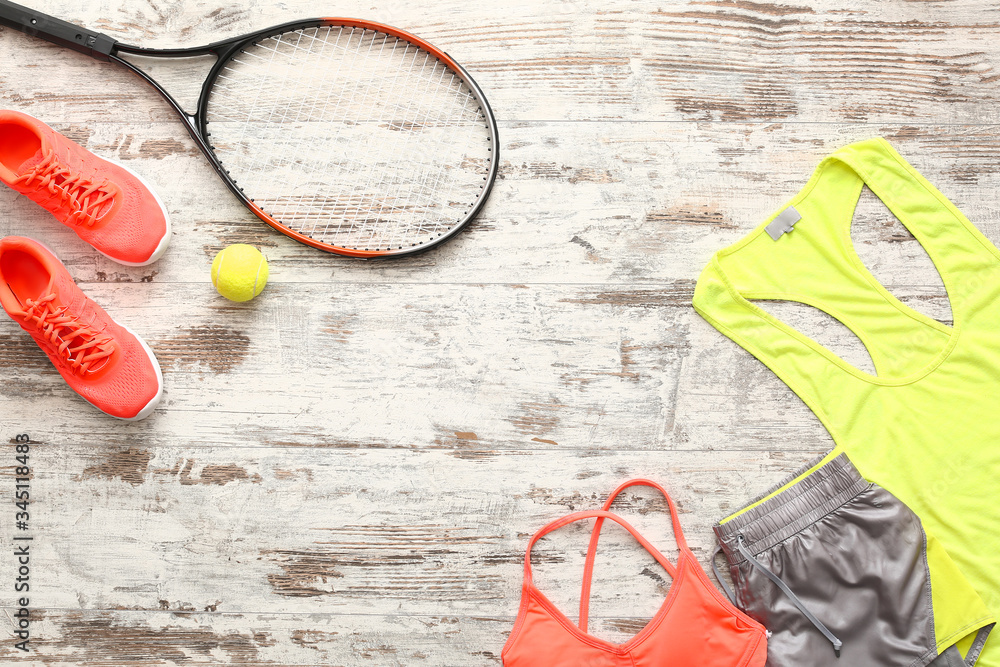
x: 107, y: 205
x: 108, y: 365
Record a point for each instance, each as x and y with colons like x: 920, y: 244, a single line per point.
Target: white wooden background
x: 346, y: 470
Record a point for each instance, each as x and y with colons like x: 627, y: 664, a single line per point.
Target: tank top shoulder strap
x: 595, y: 536
x: 815, y: 263
x: 953, y: 243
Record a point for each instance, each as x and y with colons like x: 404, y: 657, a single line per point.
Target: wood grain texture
x: 369, y: 540
x: 346, y: 470
x: 708, y: 60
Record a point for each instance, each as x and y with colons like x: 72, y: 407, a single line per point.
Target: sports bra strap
x: 588, y: 569
x: 600, y: 515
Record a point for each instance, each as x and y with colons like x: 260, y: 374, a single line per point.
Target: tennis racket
x: 349, y: 136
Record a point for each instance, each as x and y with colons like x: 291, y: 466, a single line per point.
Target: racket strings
x: 407, y: 112
x: 368, y: 55
x: 351, y: 136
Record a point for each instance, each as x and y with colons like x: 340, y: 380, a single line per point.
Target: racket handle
x: 59, y: 32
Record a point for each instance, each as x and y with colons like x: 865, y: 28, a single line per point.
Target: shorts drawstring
x: 740, y: 540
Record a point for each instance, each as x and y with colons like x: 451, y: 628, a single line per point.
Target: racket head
x: 350, y: 136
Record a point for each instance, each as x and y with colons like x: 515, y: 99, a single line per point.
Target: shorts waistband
x: 794, y: 509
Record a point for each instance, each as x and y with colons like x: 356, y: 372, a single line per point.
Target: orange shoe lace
x: 61, y: 329
x: 82, y: 196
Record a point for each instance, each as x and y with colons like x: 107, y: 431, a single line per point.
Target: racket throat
x: 178, y: 79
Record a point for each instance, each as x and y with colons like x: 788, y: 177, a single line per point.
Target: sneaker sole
x: 149, y: 407
x: 164, y: 242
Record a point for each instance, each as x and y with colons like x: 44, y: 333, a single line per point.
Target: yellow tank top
x: 927, y: 426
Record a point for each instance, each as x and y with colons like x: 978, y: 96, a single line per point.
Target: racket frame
x: 105, y: 48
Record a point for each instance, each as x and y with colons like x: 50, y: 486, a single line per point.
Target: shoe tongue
x: 52, y: 289
x: 30, y: 163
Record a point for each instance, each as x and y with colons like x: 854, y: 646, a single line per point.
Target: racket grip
x: 37, y: 24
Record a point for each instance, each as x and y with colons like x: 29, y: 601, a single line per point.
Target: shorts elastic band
x: 791, y: 511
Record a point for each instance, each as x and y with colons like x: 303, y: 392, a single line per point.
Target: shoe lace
x: 81, y: 344
x: 83, y: 195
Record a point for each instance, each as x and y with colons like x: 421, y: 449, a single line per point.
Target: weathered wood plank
x: 713, y: 60
x: 271, y: 530
x: 115, y: 638
x: 404, y: 366
x: 618, y: 203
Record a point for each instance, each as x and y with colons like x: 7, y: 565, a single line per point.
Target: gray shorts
x: 834, y: 559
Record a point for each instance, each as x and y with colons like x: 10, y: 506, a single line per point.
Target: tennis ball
x: 239, y: 272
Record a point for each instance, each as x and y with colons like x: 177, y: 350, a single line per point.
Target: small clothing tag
x: 784, y: 222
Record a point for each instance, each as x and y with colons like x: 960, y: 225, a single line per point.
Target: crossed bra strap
x: 588, y: 571
x: 600, y: 515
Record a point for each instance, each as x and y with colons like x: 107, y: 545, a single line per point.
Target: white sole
x: 149, y: 407
x: 164, y: 242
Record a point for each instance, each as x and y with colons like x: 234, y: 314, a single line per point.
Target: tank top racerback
x: 926, y: 426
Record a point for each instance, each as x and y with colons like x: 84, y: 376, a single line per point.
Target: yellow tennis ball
x: 239, y: 272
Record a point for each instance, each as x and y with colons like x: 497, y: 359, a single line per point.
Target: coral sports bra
x: 695, y: 626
